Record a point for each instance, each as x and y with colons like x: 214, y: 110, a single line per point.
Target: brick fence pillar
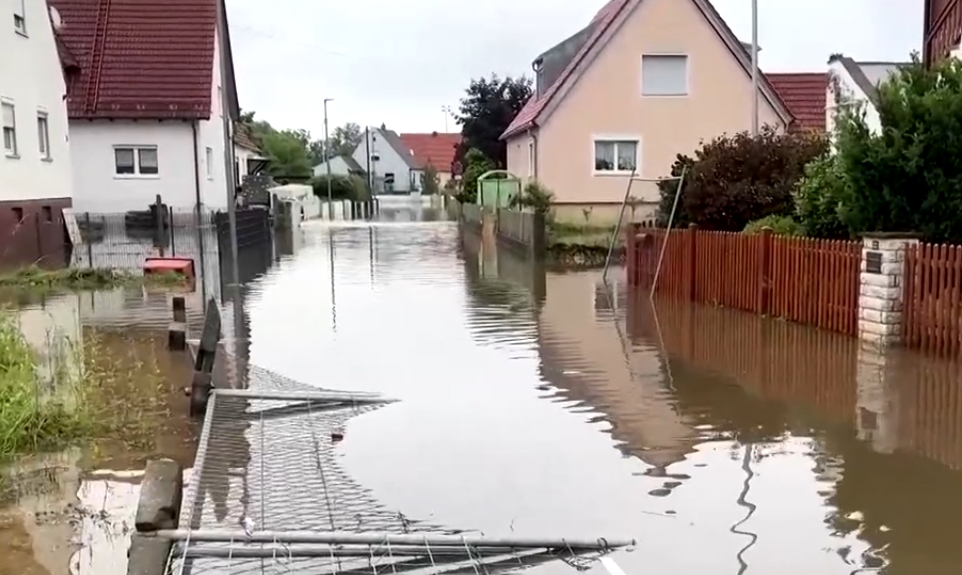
x: 881, y: 285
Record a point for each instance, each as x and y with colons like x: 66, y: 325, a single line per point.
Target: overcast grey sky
x: 399, y: 62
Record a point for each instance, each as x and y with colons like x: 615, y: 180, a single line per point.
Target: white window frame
x: 615, y: 139
x: 20, y: 17
x: 13, y: 151
x: 43, y: 135
x: 209, y: 159
x: 641, y: 75
x: 137, y: 174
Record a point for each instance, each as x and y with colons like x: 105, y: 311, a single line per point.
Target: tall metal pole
x: 228, y: 141
x: 754, y: 67
x: 327, y: 160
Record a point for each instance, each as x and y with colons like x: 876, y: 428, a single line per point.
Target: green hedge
x: 342, y: 188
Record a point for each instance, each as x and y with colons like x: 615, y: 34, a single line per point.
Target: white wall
x: 338, y: 166
x: 390, y: 161
x: 848, y: 91
x: 31, y: 79
x: 97, y: 188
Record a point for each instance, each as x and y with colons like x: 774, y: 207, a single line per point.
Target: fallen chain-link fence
x: 267, y: 495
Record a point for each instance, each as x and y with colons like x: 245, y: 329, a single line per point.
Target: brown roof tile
x: 150, y: 59
x: 804, y: 94
x: 435, y: 148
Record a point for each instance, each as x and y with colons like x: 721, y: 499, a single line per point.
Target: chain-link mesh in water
x: 266, y: 464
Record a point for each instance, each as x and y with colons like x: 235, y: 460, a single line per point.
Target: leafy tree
x: 287, y: 154
x: 345, y: 139
x: 431, y: 181
x: 477, y: 165
x: 733, y: 180
x: 486, y: 111
x: 908, y: 177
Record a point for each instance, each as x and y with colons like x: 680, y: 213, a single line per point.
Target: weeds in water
x: 35, y: 278
x: 32, y: 417
x: 106, y: 386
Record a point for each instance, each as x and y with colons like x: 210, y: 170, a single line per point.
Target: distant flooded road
x: 544, y: 404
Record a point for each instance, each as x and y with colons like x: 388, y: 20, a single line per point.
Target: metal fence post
x: 89, y: 240
x: 169, y: 212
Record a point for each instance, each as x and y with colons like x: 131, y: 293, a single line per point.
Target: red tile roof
x: 244, y: 137
x: 149, y: 59
x: 804, y: 94
x: 434, y: 148
x: 602, y: 22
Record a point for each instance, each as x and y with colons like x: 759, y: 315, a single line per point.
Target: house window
x: 616, y: 156
x: 43, y: 135
x: 664, y: 75
x: 9, y: 130
x: 47, y: 213
x: 18, y: 214
x: 210, y: 163
x: 20, y: 16
x: 136, y: 161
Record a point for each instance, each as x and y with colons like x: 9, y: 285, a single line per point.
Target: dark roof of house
x: 143, y: 59
x: 804, y: 94
x: 352, y: 164
x: 867, y: 75
x: 560, y: 63
x: 436, y: 149
x: 393, y: 140
x: 244, y: 137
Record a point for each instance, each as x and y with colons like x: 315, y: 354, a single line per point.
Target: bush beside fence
x: 808, y: 281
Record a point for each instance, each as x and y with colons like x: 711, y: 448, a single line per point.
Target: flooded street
x: 544, y: 405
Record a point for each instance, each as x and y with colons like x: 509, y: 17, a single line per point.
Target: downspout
x: 198, y: 216
x: 534, y: 140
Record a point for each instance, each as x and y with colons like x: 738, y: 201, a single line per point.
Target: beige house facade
x: 645, y: 81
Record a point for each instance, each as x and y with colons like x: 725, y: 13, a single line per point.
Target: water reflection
x: 547, y: 404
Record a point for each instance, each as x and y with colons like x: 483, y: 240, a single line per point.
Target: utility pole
x: 367, y: 154
x: 228, y: 123
x: 447, y: 112
x: 754, y: 67
x: 327, y: 159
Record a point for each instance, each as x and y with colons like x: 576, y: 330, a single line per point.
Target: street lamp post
x: 327, y: 160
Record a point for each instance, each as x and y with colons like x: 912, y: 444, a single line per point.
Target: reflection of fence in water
x: 268, y: 466
x: 798, y: 364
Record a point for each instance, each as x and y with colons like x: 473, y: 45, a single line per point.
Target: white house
x: 340, y: 166
x: 248, y: 158
x: 145, y: 109
x: 854, y: 83
x: 393, y: 166
x: 35, y: 161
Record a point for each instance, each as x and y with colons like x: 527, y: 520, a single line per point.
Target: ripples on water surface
x: 724, y: 443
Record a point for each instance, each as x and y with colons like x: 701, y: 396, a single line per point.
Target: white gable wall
x: 389, y: 162
x: 848, y: 91
x: 97, y: 188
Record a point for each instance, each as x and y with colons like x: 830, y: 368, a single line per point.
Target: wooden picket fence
x: 932, y: 303
x: 808, y: 281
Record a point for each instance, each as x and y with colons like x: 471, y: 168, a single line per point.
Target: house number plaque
x: 873, y: 262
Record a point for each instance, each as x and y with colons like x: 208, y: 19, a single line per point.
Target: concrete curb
x: 161, y: 495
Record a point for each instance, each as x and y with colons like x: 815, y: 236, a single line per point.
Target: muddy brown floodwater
x: 544, y: 404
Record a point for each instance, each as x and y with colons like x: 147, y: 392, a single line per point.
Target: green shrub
x: 820, y: 199
x: 476, y: 165
x: 534, y: 196
x: 908, y: 177
x: 780, y: 226
x: 733, y: 180
x: 342, y: 187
